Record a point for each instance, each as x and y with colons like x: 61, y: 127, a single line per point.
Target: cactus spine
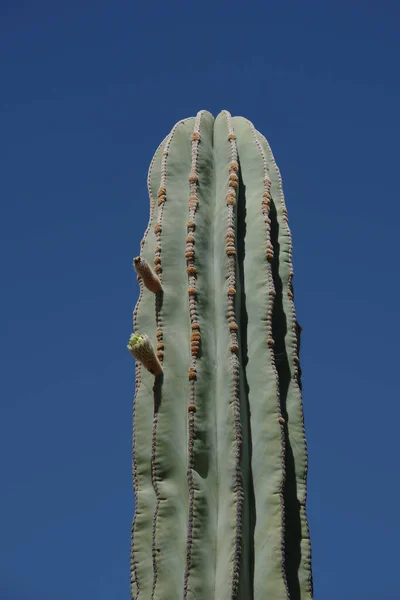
x: 220, y: 460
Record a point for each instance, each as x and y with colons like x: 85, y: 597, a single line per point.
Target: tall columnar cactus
x: 220, y: 461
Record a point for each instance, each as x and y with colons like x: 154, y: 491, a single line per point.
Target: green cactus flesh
x: 219, y: 449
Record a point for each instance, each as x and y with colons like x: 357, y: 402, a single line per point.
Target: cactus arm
x: 298, y: 546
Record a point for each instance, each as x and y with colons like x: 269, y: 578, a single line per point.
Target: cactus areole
x: 219, y: 448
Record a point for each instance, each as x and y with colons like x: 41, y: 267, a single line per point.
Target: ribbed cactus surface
x: 220, y: 461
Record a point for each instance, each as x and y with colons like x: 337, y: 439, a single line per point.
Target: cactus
x: 219, y: 449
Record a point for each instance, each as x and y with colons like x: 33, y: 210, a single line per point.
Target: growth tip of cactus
x: 192, y: 408
x: 149, y: 278
x: 142, y: 350
x: 281, y: 420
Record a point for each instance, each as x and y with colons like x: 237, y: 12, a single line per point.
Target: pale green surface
x: 214, y: 527
x: 293, y: 402
x: 263, y: 395
x: 223, y: 396
x: 143, y: 421
x: 172, y: 417
x: 201, y: 580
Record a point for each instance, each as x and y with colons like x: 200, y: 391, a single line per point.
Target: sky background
x: 89, y: 89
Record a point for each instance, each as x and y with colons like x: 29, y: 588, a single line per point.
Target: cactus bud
x: 142, y: 350
x: 150, y: 279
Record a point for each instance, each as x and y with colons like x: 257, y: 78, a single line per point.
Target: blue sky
x: 89, y: 89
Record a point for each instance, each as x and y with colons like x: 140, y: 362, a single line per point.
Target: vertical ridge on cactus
x: 219, y: 449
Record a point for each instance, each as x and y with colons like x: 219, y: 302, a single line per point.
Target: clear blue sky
x: 89, y: 89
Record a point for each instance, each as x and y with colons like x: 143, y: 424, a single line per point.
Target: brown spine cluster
x: 195, y: 338
x: 231, y: 199
x: 265, y: 211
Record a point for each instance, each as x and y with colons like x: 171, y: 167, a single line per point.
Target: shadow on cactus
x: 219, y: 448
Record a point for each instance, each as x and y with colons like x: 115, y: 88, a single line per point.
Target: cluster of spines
x: 133, y: 569
x: 231, y: 199
x: 195, y: 336
x: 265, y: 210
x: 296, y: 362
